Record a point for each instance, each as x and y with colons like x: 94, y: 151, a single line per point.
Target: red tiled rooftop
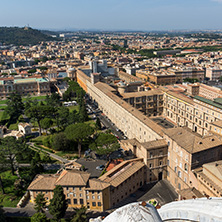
x: 113, y: 163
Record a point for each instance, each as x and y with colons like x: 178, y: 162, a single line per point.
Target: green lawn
x: 9, y: 199
x: 3, y: 101
x: 34, y: 97
x: 71, y: 108
x: 14, y: 126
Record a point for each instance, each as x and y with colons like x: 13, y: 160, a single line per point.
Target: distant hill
x: 22, y: 36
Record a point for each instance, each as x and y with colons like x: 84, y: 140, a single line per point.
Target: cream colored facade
x: 154, y: 154
x: 197, y: 114
x: 186, y: 152
x: 96, y: 194
x: 210, y: 179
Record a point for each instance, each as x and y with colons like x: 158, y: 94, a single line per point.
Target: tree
x: 14, y: 107
x: 53, y: 100
x: 83, y: 115
x: 98, y: 124
x: 46, y: 123
x: 62, y: 116
x: 35, y: 168
x: 40, y: 203
x: 39, y: 112
x: 9, y: 149
x: 2, y: 215
x: 39, y: 217
x: 58, y: 203
x: 80, y: 215
x: 60, y: 142
x: 73, y: 117
x: 78, y: 132
x: 105, y: 144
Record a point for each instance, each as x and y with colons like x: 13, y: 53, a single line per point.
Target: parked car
x: 101, y: 167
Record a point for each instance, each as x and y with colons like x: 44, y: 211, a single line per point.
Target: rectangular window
x: 93, y: 197
x: 75, y: 201
x: 68, y: 201
x: 93, y: 204
x: 151, y: 155
x: 98, y: 197
x: 81, y: 201
x: 80, y: 188
x: 99, y: 204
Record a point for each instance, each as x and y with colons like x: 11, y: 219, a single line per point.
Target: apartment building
x: 124, y: 179
x: 188, y: 151
x: 78, y: 189
x: 98, y: 194
x: 150, y: 103
x: 198, y: 114
x: 24, y: 86
x: 214, y: 73
x: 209, y: 178
x: 154, y: 154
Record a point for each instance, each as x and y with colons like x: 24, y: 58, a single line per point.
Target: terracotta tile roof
x: 43, y: 182
x: 191, y: 142
x: 154, y: 144
x: 73, y: 178
x: 122, y: 171
x: 96, y: 184
x: 142, y: 93
x: 114, y: 163
x: 190, y: 192
x: 215, y: 168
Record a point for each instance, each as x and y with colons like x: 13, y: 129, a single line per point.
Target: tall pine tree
x: 58, y: 204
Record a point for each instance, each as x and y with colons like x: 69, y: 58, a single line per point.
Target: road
x: 47, y: 166
x: 54, y: 156
x: 104, y: 120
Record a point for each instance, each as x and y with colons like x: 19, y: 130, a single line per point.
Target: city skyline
x: 141, y: 15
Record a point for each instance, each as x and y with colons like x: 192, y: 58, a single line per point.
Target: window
x: 151, y: 165
x: 80, y: 195
x: 81, y: 201
x: 68, y: 201
x: 80, y: 188
x: 185, y: 167
x: 75, y: 201
x: 98, y: 197
x: 179, y: 186
x: 99, y: 204
x: 161, y: 152
x: 93, y: 204
x: 175, y: 169
x: 93, y: 197
x: 161, y: 163
x: 151, y: 155
x: 179, y: 174
x: 87, y: 197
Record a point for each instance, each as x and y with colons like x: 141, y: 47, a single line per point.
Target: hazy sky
x: 113, y: 14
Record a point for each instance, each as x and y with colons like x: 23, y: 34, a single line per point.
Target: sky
x: 143, y: 15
